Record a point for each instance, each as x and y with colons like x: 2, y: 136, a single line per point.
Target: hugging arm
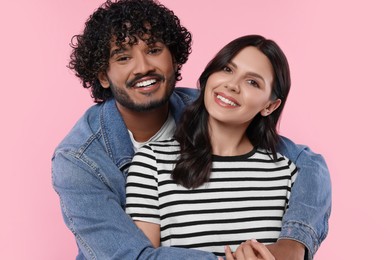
x: 306, y: 220
x: 93, y: 210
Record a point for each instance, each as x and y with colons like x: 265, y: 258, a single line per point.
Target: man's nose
x: 142, y: 65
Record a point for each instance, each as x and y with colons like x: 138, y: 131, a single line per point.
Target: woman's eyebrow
x: 253, y: 74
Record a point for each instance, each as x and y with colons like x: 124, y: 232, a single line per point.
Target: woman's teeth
x: 227, y: 101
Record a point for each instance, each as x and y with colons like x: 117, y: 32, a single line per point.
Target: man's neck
x: 144, y: 125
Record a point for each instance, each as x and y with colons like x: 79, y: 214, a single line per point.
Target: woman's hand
x: 249, y: 250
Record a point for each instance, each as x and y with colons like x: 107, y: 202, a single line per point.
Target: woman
x: 220, y: 181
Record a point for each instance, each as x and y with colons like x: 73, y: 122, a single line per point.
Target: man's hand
x: 286, y: 249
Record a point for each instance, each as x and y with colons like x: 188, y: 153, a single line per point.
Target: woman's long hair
x: 194, y: 165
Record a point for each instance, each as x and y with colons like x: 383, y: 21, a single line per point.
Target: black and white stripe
x: 245, y: 198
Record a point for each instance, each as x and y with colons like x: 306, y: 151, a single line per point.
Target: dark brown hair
x: 120, y: 19
x: 194, y: 165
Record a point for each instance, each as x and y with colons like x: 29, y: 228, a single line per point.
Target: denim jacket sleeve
x: 306, y: 219
x: 92, y: 210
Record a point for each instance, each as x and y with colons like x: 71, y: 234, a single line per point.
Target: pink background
x: 339, y: 55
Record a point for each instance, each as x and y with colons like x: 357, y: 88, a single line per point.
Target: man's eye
x: 155, y: 50
x: 123, y: 58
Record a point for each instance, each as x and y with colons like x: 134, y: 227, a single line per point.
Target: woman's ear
x: 271, y: 107
x: 103, y: 79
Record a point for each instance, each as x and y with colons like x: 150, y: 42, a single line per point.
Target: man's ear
x: 103, y: 79
x: 271, y: 107
x: 175, y: 65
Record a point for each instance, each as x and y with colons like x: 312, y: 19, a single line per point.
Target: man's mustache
x: 132, y: 82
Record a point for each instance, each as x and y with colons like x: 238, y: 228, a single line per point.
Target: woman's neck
x: 228, y: 140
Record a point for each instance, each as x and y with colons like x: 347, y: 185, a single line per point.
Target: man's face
x: 141, y: 76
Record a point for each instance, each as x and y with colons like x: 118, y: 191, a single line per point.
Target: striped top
x: 245, y: 198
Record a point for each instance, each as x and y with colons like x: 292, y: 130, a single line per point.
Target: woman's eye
x: 253, y: 83
x: 227, y: 69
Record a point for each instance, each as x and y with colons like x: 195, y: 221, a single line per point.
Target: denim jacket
x: 88, y: 173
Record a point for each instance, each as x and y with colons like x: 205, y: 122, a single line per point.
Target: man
x: 130, y: 56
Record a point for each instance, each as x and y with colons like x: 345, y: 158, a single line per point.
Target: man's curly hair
x: 125, y: 20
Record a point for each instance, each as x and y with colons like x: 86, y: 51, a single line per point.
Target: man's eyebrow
x: 116, y: 51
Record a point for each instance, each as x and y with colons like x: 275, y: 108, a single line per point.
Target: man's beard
x: 123, y: 98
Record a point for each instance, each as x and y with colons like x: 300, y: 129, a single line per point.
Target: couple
x: 130, y: 55
x: 228, y: 184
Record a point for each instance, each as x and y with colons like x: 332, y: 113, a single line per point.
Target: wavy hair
x: 133, y: 19
x: 194, y: 165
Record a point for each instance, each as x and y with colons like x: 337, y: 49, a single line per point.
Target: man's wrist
x: 287, y: 249
x: 292, y: 244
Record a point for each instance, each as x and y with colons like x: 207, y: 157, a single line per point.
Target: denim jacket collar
x: 115, y: 134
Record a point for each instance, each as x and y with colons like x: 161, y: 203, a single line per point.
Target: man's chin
x: 148, y: 104
x: 152, y: 105
x: 147, y: 107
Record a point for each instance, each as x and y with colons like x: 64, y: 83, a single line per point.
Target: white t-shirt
x: 166, y: 132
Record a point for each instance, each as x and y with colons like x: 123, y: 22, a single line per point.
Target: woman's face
x: 241, y: 89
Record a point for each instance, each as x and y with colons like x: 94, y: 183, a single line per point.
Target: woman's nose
x: 233, y: 86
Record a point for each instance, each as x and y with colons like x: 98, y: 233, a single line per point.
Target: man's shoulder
x: 296, y: 152
x: 180, y: 98
x: 290, y: 149
x: 99, y: 133
x: 85, y: 128
x: 187, y: 93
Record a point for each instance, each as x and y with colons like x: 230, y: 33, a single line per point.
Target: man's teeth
x: 145, y: 83
x: 227, y: 101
